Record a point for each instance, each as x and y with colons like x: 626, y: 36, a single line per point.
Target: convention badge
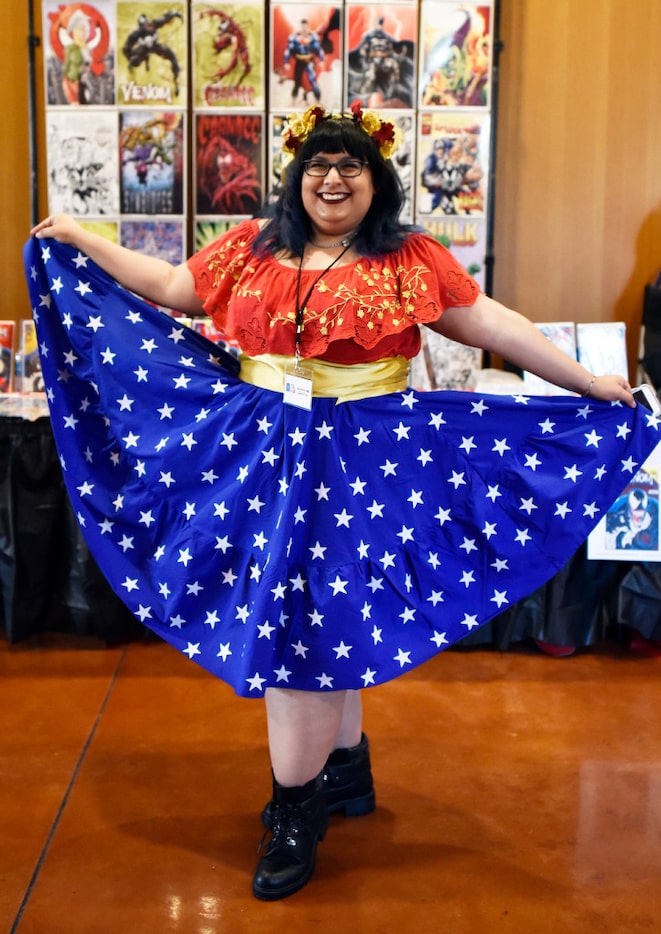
x: 298, y: 386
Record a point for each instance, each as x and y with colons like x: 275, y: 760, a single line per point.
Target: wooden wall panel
x: 578, y: 175
x: 14, y: 160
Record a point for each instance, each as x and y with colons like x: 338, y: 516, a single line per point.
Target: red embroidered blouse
x: 356, y: 313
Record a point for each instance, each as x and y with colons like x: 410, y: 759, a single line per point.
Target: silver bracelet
x: 590, y: 385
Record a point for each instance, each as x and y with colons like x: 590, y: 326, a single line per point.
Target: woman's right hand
x: 60, y: 227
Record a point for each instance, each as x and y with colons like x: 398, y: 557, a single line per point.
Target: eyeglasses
x: 347, y: 168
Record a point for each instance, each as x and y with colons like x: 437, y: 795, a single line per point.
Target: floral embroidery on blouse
x: 254, y: 300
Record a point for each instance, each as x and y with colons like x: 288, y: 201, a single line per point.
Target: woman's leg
x: 303, y: 728
x: 351, y: 725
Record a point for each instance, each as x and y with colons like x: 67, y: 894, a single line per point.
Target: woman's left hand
x: 612, y: 388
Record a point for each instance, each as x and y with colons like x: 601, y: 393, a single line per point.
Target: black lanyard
x: 300, y: 306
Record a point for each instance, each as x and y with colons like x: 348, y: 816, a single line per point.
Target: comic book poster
x: 305, y: 56
x: 277, y: 159
x: 108, y: 229
x: 229, y: 163
x: 403, y: 158
x: 151, y: 150
x: 444, y: 364
x: 381, y: 43
x: 453, y: 159
x: 152, y: 49
x: 456, y: 54
x: 160, y: 237
x: 563, y: 335
x: 602, y: 347
x: 630, y: 529
x: 31, y: 376
x: 228, y: 55
x: 79, y: 53
x: 83, y: 176
x: 465, y: 238
x: 207, y: 232
x: 7, y: 333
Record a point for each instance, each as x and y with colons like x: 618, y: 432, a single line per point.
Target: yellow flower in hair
x: 370, y: 122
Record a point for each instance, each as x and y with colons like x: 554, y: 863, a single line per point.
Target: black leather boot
x: 347, y: 784
x: 347, y: 781
x: 297, y: 820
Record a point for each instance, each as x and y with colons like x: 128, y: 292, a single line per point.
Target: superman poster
x: 305, y: 56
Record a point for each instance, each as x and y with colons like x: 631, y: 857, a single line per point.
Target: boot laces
x: 287, y: 820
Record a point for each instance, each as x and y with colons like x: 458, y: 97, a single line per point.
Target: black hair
x: 289, y: 228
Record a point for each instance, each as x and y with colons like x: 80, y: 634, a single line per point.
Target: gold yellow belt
x: 330, y: 380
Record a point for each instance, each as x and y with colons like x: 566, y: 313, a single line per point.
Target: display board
x: 163, y: 119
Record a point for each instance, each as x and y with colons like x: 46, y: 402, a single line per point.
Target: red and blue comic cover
x: 305, y: 56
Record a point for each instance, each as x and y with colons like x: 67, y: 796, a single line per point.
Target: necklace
x: 300, y: 305
x: 331, y: 246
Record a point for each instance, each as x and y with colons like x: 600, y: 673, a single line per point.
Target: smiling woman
x: 299, y: 521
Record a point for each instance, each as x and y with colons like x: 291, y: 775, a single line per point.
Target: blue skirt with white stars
x: 319, y: 550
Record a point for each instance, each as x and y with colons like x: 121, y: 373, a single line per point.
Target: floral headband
x: 385, y: 134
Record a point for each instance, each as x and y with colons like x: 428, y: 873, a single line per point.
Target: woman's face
x: 336, y: 205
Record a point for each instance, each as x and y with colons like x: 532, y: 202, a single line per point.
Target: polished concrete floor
x: 516, y: 793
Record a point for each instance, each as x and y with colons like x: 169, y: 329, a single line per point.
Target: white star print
x: 467, y: 444
x: 376, y: 509
x: 404, y: 658
x: 338, y: 585
x: 439, y: 638
x: 256, y: 682
x: 572, y: 473
x: 297, y: 436
x: 500, y: 446
x: 470, y: 622
x: 343, y: 518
